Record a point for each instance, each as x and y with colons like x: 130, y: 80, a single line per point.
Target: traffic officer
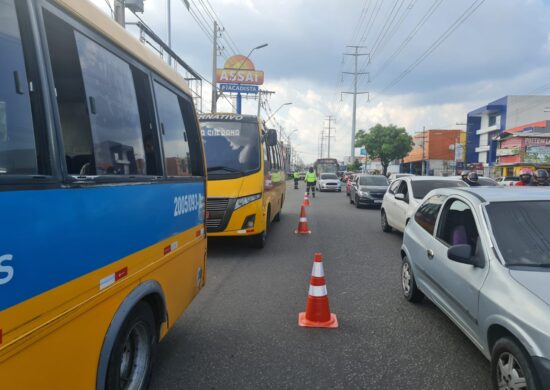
x: 311, y: 180
x: 296, y: 179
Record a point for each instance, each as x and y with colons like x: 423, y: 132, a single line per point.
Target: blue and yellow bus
x: 102, y: 199
x: 246, y: 176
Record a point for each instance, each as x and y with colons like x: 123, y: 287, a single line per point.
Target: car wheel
x: 131, y: 359
x: 386, y: 228
x: 511, y: 367
x: 410, y: 290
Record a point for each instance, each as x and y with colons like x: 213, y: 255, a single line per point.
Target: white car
x: 394, y: 176
x: 404, y: 196
x: 329, y: 182
x: 507, y: 181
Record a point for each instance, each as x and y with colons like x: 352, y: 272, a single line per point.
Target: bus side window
x: 22, y: 133
x: 193, y: 136
x: 267, y: 164
x: 105, y: 126
x: 173, y: 132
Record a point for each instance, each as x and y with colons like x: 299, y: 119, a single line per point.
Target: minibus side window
x: 19, y: 154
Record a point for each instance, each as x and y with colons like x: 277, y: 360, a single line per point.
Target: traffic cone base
x: 317, y: 314
x: 302, y: 224
x: 303, y: 321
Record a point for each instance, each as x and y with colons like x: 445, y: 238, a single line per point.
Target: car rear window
x: 422, y: 187
x: 373, y: 181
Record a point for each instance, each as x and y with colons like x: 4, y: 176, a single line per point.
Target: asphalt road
x: 241, y: 332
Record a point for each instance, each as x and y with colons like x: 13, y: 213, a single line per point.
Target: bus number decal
x: 187, y: 204
x: 6, y: 271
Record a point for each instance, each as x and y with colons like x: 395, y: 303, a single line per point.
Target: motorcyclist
x: 296, y: 179
x: 525, y: 178
x: 311, y: 181
x: 540, y: 177
x: 472, y: 179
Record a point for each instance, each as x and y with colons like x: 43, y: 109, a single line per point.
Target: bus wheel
x: 132, y: 356
x: 258, y: 241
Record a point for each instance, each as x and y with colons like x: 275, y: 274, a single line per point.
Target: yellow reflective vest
x: 311, y: 177
x: 296, y: 175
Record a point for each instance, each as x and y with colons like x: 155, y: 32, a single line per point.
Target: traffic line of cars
x: 482, y: 255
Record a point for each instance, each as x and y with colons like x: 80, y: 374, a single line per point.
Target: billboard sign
x: 239, y: 69
x: 537, y: 154
x: 239, y: 88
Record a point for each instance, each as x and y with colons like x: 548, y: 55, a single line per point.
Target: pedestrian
x: 540, y: 177
x: 296, y: 179
x: 525, y: 178
x: 311, y: 181
x: 470, y: 178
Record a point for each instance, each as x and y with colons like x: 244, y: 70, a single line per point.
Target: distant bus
x: 102, y: 199
x: 326, y: 165
x: 246, y: 176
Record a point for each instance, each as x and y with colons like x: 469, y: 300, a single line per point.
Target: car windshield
x: 421, y: 188
x: 521, y: 231
x: 373, y: 181
x: 231, y: 147
x: 328, y: 176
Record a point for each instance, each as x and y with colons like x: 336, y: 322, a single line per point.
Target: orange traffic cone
x: 317, y: 314
x: 306, y: 200
x: 302, y: 224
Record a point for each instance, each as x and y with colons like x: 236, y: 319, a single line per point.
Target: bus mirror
x: 271, y: 137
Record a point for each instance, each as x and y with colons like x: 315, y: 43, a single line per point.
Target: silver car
x: 329, y: 182
x: 482, y: 255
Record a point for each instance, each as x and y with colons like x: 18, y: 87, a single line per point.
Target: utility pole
x: 169, y: 17
x: 260, y: 93
x: 214, y: 67
x: 119, y: 13
x: 330, y: 119
x: 355, y: 73
x: 423, y: 149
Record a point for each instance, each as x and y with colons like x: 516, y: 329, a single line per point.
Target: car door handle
x: 430, y: 254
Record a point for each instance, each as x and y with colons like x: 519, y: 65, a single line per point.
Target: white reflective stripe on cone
x: 303, y: 219
x: 318, y: 270
x: 318, y: 291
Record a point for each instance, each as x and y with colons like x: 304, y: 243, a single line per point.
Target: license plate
x: 377, y: 201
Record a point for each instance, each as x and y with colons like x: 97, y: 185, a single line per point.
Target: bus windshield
x: 231, y: 147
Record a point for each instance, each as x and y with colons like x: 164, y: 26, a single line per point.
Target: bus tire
x: 258, y: 241
x: 132, y: 356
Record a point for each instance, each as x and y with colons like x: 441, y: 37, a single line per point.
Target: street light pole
x: 239, y: 97
x: 281, y: 106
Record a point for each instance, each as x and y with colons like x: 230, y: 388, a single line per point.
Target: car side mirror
x: 271, y: 137
x: 462, y: 254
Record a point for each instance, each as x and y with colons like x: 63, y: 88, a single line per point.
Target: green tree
x: 355, y: 166
x: 387, y: 143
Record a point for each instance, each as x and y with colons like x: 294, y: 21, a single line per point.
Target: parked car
x: 395, y: 176
x: 405, y: 194
x: 507, y: 180
x: 368, y: 190
x: 328, y: 182
x: 482, y: 256
x: 349, y: 182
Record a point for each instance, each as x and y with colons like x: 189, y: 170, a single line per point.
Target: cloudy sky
x: 455, y: 55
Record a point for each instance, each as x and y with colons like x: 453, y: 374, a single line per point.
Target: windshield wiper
x: 222, y: 168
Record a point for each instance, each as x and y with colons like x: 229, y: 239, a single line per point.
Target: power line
x: 469, y: 12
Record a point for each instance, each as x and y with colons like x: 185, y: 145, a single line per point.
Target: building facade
x: 526, y: 146
x: 486, y: 123
x: 435, y: 152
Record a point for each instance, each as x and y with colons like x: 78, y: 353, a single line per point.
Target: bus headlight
x: 246, y: 200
